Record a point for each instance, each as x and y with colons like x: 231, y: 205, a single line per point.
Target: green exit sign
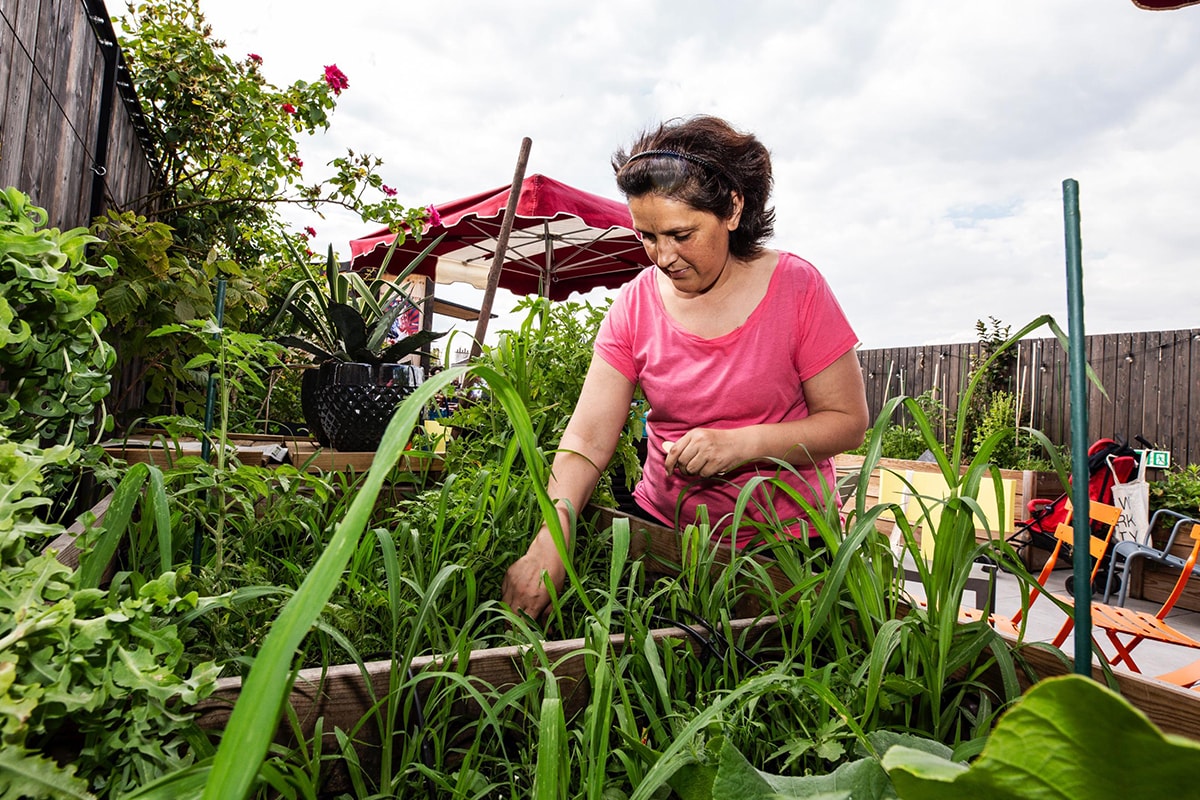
x: 1158, y: 459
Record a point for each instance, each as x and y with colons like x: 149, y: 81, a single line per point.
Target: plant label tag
x: 276, y: 455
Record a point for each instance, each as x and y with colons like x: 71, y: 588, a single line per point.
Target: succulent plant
x: 344, y: 317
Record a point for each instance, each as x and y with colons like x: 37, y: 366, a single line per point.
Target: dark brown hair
x: 700, y: 161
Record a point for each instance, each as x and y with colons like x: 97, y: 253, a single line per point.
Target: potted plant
x: 346, y: 324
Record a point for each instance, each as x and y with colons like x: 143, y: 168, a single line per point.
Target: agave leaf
x: 299, y: 288
x: 404, y: 273
x: 312, y: 323
x: 351, y: 327
x: 307, y: 346
x: 339, y: 290
x: 409, y: 345
x: 336, y: 313
x: 366, y: 296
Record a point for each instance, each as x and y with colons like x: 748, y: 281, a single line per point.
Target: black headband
x: 697, y: 160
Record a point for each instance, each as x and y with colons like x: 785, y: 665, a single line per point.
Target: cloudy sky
x: 920, y: 146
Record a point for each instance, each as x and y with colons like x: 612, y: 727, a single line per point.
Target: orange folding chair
x: 1103, y: 518
x: 1186, y: 677
x: 1139, y: 626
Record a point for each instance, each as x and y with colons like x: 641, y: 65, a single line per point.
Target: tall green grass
x: 850, y: 653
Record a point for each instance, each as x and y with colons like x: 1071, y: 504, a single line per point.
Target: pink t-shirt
x: 750, y: 376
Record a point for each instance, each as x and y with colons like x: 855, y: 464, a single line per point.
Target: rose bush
x: 227, y: 142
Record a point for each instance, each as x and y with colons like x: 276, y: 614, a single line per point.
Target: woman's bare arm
x: 587, y: 445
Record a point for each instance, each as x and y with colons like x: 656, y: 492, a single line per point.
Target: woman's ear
x: 731, y: 222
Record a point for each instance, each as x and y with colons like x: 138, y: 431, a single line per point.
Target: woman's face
x: 689, y: 246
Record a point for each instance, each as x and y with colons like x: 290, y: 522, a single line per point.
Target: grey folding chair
x: 1125, y: 553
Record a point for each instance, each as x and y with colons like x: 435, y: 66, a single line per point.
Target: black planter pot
x: 310, y: 390
x: 354, y: 402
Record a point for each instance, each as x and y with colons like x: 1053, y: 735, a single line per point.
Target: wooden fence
x: 1152, y: 380
x: 72, y: 135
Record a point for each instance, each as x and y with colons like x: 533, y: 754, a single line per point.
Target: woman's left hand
x: 703, y: 453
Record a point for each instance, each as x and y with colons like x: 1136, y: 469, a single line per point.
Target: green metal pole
x: 210, y: 405
x: 210, y: 402
x: 1079, y: 431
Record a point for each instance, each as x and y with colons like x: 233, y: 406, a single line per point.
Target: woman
x: 743, y: 353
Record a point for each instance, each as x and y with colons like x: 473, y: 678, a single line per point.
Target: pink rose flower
x: 296, y: 162
x: 311, y: 231
x: 255, y: 57
x: 336, y: 79
x: 434, y: 217
x: 288, y: 108
x: 389, y: 191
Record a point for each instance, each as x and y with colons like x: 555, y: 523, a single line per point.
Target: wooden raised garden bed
x: 162, y: 451
x: 342, y: 695
x: 1020, y: 487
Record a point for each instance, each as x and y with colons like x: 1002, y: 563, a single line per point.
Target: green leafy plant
x: 991, y: 374
x: 1102, y: 748
x: 1016, y: 449
x: 95, y: 677
x: 233, y: 359
x: 54, y: 367
x: 546, y: 360
x: 727, y: 773
x: 227, y: 142
x: 903, y: 439
x: 955, y: 705
x: 1178, y: 491
x: 227, y: 138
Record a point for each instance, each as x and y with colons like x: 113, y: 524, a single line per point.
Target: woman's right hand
x: 524, y: 588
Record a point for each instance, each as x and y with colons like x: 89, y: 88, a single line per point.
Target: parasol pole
x: 510, y: 211
x: 1079, y: 427
x: 549, y: 274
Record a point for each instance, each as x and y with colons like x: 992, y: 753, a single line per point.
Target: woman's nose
x: 663, y: 253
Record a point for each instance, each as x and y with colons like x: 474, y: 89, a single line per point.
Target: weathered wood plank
x: 18, y: 100
x: 66, y: 551
x: 1152, y: 395
x: 1184, y: 440
x: 163, y: 452
x: 74, y: 172
x: 51, y: 71
x: 1148, y: 396
x: 1172, y: 709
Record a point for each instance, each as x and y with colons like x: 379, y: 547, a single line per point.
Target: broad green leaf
x: 1068, y: 737
x: 863, y: 779
x: 551, y: 746
x: 25, y: 774
x: 116, y: 520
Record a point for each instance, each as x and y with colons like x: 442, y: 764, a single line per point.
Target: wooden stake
x: 510, y: 211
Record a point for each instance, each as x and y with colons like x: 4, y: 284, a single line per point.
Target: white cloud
x: 920, y: 145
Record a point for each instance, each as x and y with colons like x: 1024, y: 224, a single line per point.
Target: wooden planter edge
x: 1173, y: 709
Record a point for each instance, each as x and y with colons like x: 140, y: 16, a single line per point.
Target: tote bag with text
x: 1133, y: 498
